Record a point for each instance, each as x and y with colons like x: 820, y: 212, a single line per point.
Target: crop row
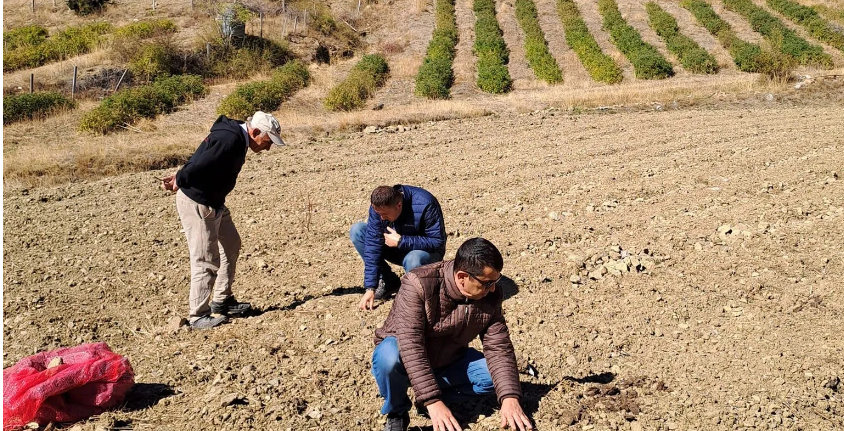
x: 747, y: 56
x: 435, y: 76
x: 31, y: 46
x: 693, y: 58
x: 818, y: 27
x: 491, y: 50
x: 536, y: 47
x: 780, y: 36
x: 265, y: 95
x: 368, y: 75
x: 647, y: 62
x: 600, y: 66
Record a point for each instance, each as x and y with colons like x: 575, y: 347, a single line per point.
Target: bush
x: 27, y: 35
x: 600, y: 66
x: 253, y: 55
x: 536, y: 47
x: 809, y: 18
x: 30, y: 47
x: 146, y: 29
x: 435, y: 76
x: 85, y: 7
x: 31, y: 106
x: 368, y: 75
x: 692, y: 56
x: 779, y: 35
x: 647, y: 61
x: 153, y: 60
x: 265, y: 95
x: 147, y: 101
x: 747, y: 56
x: 491, y: 50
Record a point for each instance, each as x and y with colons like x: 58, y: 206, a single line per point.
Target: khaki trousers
x: 214, y: 246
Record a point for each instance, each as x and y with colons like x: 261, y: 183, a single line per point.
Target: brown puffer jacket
x: 434, y: 323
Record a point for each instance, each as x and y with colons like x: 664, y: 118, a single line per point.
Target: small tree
x: 85, y: 7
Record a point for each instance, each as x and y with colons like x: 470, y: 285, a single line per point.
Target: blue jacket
x: 420, y: 225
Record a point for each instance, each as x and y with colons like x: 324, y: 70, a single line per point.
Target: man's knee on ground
x: 356, y: 233
x: 387, y: 359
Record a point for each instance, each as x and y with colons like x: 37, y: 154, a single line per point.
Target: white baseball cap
x: 267, y: 123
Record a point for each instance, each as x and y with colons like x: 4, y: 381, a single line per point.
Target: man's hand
x: 169, y: 183
x: 442, y: 418
x: 512, y: 415
x: 392, y: 238
x: 368, y: 300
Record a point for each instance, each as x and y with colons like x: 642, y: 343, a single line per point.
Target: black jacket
x: 212, y: 170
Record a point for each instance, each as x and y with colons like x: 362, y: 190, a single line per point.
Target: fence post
x: 31, y: 83
x: 191, y: 4
x: 261, y: 31
x: 73, y: 84
x: 119, y: 81
x: 284, y: 25
x: 305, y: 21
x: 208, y: 51
x: 295, y: 22
x: 153, y: 5
x: 33, y: 6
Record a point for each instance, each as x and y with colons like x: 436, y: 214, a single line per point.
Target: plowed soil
x: 728, y: 317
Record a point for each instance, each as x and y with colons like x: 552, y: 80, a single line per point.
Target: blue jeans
x: 459, y: 381
x: 407, y: 259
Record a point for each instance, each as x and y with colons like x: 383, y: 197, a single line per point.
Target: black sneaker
x: 397, y: 422
x: 208, y: 322
x: 230, y: 307
x: 386, y: 288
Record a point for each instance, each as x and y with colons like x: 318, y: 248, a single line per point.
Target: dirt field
x: 730, y: 316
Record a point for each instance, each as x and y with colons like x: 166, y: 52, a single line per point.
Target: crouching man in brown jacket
x: 439, y: 309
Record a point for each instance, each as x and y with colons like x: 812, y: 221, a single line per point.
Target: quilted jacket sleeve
x: 409, y: 307
x: 434, y: 226
x: 501, y: 358
x: 373, y: 248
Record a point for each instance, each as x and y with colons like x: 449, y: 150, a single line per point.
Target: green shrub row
x: 265, y: 95
x: 435, y: 76
x: 693, y: 58
x: 830, y: 13
x: 31, y: 47
x: 536, y: 47
x: 146, y: 29
x: 31, y: 106
x: 600, y: 66
x: 747, y: 56
x: 780, y: 36
x: 647, y: 61
x: 491, y: 50
x: 146, y: 101
x: 818, y: 27
x: 368, y: 75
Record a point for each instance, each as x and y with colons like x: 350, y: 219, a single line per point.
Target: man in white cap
x: 201, y: 186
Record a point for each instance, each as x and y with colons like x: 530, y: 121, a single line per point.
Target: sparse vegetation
x: 86, y: 7
x: 536, y: 47
x: 818, y: 27
x: 747, y: 56
x: 323, y: 22
x: 265, y: 95
x: 600, y: 66
x: 435, y: 76
x: 146, y: 101
x: 785, y: 39
x: 492, y: 52
x: 647, y: 62
x: 30, y: 46
x: 368, y: 75
x: 693, y: 58
x: 31, y: 106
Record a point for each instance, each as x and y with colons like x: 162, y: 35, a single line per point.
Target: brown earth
x: 729, y: 318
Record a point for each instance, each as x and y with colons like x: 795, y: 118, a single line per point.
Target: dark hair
x: 385, y: 196
x: 476, y: 254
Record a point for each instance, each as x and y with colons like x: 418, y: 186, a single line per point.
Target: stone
x: 553, y: 216
x: 55, y: 362
x: 724, y: 229
x: 315, y: 414
x: 571, y: 361
x: 261, y: 264
x: 175, y: 323
x: 575, y: 279
x: 370, y: 130
x: 229, y: 399
x: 378, y: 107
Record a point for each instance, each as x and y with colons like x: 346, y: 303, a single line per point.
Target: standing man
x: 202, y: 185
x: 439, y: 309
x: 405, y: 227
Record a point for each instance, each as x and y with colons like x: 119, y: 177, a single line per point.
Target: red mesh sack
x: 90, y: 380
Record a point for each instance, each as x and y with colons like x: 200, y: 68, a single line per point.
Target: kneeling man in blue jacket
x: 405, y: 227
